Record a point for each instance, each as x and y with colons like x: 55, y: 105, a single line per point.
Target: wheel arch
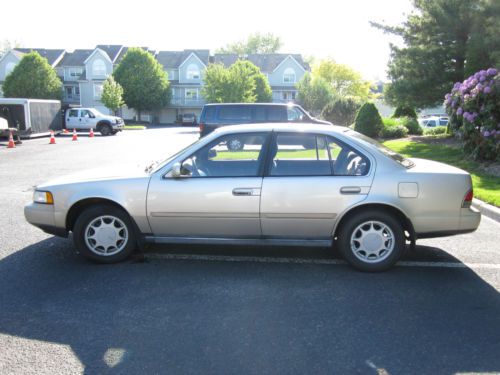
x: 102, y: 123
x: 392, y: 210
x: 78, y: 207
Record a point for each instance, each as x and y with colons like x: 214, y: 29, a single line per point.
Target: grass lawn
x: 134, y: 127
x: 486, y: 187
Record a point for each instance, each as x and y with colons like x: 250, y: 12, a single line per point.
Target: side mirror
x: 176, y: 170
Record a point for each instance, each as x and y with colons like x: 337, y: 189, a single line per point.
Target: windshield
x: 96, y: 112
x: 407, y: 163
x: 156, y: 165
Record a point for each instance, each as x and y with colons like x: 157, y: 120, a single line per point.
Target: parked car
x: 214, y: 116
x: 188, y: 118
x: 91, y: 118
x: 348, y: 191
x: 433, y: 121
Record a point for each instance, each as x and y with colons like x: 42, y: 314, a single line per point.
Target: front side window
x: 193, y: 72
x: 99, y: 68
x: 294, y: 114
x: 235, y: 155
x: 86, y: 113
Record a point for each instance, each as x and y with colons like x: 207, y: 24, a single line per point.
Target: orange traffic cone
x: 91, y: 135
x: 11, y: 141
x: 52, y: 138
x: 75, y: 137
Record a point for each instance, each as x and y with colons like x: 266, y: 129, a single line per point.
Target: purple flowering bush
x: 474, y: 109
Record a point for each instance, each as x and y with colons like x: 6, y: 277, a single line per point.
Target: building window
x: 289, y: 76
x: 77, y: 90
x: 192, y: 94
x: 9, y: 68
x: 97, y: 90
x: 193, y: 72
x: 98, y: 68
x: 75, y: 72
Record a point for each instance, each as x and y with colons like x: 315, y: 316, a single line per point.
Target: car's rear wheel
x: 371, y: 241
x: 105, y: 129
x: 235, y: 144
x: 104, y: 234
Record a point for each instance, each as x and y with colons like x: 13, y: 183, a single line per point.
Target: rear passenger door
x: 310, y: 180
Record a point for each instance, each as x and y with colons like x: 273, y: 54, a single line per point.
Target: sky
x: 323, y: 29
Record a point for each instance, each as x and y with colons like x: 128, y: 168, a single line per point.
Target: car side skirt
x: 240, y: 241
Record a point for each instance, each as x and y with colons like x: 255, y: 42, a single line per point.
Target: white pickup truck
x: 87, y: 118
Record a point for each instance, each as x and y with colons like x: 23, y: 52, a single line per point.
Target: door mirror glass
x: 176, y: 170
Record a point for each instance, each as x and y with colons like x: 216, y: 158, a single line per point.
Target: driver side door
x: 217, y: 194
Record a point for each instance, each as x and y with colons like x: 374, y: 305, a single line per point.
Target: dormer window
x: 289, y: 76
x: 193, y: 72
x: 98, y: 68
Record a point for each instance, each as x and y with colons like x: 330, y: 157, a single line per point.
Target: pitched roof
x: 173, y: 59
x: 124, y: 50
x: 52, y: 55
x: 75, y: 58
x: 266, y: 62
x: 112, y: 50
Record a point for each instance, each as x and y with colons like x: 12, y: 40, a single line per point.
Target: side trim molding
x: 240, y: 241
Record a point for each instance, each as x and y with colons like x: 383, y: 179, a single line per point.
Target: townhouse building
x: 84, y: 71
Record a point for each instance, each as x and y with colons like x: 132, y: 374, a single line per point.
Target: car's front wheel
x: 105, y: 129
x: 104, y: 234
x: 371, y: 241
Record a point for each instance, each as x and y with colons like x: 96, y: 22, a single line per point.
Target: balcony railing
x: 71, y: 98
x: 185, y: 102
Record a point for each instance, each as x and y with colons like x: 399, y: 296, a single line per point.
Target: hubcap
x: 372, y: 241
x: 235, y: 144
x: 106, y: 235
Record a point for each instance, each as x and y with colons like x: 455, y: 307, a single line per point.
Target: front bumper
x: 118, y: 127
x: 42, y: 216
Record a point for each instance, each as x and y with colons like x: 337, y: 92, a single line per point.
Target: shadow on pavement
x: 250, y: 318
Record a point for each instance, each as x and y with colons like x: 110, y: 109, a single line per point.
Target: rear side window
x: 209, y: 114
x: 73, y: 113
x: 275, y: 113
x: 259, y: 114
x: 235, y: 113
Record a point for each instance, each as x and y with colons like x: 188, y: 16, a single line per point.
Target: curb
x: 487, y: 209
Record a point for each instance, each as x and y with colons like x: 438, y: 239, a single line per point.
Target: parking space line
x: 255, y: 259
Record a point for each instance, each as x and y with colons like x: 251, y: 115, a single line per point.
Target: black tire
x: 384, y: 224
x: 235, y: 144
x: 105, y: 129
x: 89, y: 216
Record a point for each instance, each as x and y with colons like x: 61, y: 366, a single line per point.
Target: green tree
x: 341, y: 111
x: 404, y: 111
x: 344, y: 81
x: 314, y: 93
x: 263, y: 92
x: 112, y: 94
x: 33, y: 78
x: 242, y: 82
x: 255, y: 43
x: 368, y: 121
x: 444, y: 40
x: 144, y: 82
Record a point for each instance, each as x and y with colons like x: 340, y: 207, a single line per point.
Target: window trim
x: 285, y: 74
x: 189, y: 72
x: 94, y: 87
x: 189, y: 89
x: 93, y: 68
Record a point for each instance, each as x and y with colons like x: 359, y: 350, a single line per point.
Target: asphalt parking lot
x: 227, y: 310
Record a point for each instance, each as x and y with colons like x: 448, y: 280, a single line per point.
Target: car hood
x: 99, y: 174
x: 110, y: 118
x: 431, y: 166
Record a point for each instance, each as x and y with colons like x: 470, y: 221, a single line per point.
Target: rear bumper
x: 468, y: 222
x: 42, y: 216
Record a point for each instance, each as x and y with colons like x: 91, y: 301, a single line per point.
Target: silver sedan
x: 289, y: 185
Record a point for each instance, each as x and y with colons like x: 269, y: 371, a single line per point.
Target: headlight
x: 118, y: 120
x: 44, y: 197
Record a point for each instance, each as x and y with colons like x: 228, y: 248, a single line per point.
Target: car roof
x: 290, y: 127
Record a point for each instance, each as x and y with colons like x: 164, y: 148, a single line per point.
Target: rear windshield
x: 208, y: 114
x: 407, y: 163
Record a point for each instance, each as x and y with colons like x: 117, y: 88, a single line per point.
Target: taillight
x: 202, y: 127
x: 468, y: 199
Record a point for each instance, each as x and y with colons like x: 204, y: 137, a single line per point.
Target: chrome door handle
x: 246, y: 192
x: 350, y: 190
